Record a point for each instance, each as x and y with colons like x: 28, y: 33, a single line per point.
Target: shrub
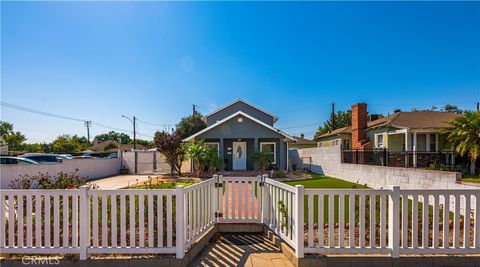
x: 45, y: 181
x: 262, y: 160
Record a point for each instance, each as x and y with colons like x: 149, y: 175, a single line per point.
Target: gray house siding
x: 249, y: 131
x: 240, y: 106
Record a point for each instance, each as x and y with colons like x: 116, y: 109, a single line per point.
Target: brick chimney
x: 359, y: 124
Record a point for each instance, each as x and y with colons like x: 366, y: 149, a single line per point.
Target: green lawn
x: 471, y: 178
x: 321, y: 181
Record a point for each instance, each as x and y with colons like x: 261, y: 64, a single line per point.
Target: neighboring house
x: 302, y: 142
x: 240, y: 129
x: 112, y: 145
x: 338, y: 136
x: 402, y: 131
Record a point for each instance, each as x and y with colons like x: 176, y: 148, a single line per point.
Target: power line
x: 9, y: 105
x: 39, y: 112
x: 301, y: 126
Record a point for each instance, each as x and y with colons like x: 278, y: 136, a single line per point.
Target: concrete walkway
x: 119, y: 181
x: 241, y: 250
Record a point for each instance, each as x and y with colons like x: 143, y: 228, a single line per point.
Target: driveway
x: 119, y: 181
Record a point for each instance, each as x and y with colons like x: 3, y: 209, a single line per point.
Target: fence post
x: 84, y: 221
x: 180, y: 227
x: 298, y: 220
x: 215, y: 197
x: 265, y: 200
x: 394, y: 221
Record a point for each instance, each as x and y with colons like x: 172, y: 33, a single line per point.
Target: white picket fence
x: 169, y: 221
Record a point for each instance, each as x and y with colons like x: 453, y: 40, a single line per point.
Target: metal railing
x: 407, y: 159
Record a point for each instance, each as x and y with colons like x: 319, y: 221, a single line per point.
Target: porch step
x: 241, y: 250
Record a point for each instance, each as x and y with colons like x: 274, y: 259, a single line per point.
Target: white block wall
x: 87, y: 168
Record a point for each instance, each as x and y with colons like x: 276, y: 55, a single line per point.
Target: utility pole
x: 134, y: 130
x: 333, y: 116
x: 194, y: 111
x: 134, y: 133
x: 88, y: 124
x: 478, y: 106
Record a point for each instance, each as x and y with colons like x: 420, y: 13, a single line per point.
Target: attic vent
x: 239, y: 119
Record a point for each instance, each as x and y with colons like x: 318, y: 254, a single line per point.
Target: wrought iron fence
x: 407, y: 159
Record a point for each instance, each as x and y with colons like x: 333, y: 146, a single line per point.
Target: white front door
x: 239, y: 156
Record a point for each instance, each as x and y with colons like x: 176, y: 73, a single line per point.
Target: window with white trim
x: 215, y: 146
x: 269, y: 148
x: 380, y: 141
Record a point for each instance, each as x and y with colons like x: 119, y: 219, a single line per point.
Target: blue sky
x: 99, y: 60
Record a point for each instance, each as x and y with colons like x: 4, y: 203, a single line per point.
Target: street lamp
x: 134, y: 131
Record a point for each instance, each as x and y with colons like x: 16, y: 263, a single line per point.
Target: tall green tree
x: 190, y: 125
x: 464, y: 135
x: 122, y: 138
x: 452, y: 108
x: 342, y: 119
x: 69, y: 144
x: 9, y: 136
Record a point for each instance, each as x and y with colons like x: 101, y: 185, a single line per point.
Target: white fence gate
x: 167, y: 221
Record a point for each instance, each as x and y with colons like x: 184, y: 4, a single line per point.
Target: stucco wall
x: 87, y: 168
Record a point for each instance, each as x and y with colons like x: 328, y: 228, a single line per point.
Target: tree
x: 452, y: 108
x: 190, y: 125
x: 147, y: 144
x: 196, y: 152
x: 9, y: 136
x: 122, y: 138
x: 170, y: 145
x: 464, y: 135
x: 69, y: 144
x: 342, y: 119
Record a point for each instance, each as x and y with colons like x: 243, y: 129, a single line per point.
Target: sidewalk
x: 119, y: 181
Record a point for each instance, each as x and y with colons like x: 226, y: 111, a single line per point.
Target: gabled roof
x: 304, y: 141
x: 233, y: 116
x: 275, y: 118
x: 344, y: 130
x: 424, y: 119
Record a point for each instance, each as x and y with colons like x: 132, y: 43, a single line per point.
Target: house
x: 302, y: 142
x: 239, y: 130
x: 112, y: 146
x: 418, y: 133
x: 401, y: 131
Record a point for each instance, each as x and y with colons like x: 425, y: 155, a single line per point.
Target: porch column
x: 427, y: 142
x: 255, y: 150
x: 221, y: 151
x: 406, y: 147
x: 414, y: 146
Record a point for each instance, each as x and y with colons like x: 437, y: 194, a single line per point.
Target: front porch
x: 411, y: 148
x: 237, y: 153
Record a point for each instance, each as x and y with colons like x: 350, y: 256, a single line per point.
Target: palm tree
x: 464, y: 135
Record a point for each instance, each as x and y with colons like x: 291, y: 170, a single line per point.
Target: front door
x: 239, y: 156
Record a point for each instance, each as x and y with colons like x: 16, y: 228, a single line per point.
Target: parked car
x: 84, y: 157
x: 112, y: 156
x: 66, y: 156
x: 43, y: 158
x: 16, y: 160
